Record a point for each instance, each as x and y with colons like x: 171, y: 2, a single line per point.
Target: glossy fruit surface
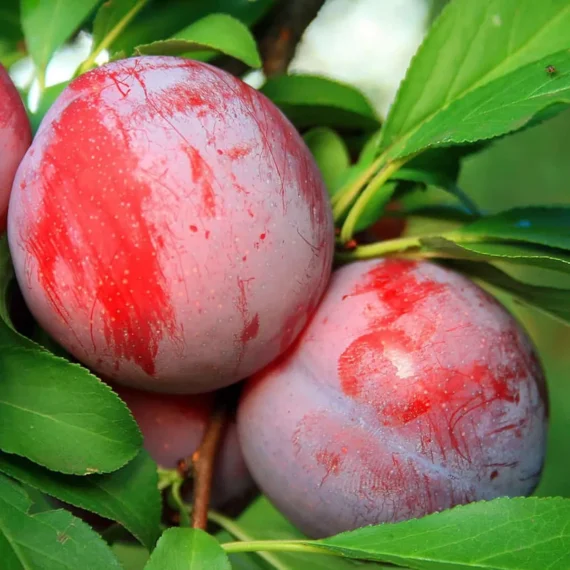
x: 411, y: 391
x: 168, y: 226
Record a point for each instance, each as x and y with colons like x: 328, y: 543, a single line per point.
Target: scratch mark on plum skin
x: 332, y: 462
x: 202, y: 173
x: 250, y: 327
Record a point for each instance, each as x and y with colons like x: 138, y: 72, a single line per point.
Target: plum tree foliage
x: 262, y: 327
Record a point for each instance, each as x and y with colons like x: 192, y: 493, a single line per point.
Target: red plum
x: 412, y: 390
x: 168, y: 226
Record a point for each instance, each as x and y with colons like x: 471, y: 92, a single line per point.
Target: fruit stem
x: 175, y: 492
x: 276, y: 546
x: 203, y: 463
x: 362, y: 201
x: 167, y: 478
x: 237, y: 532
x: 466, y: 201
x: 111, y: 36
x: 342, y: 200
x: 380, y: 249
x: 288, y: 23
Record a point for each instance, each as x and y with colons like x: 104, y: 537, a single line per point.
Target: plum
x: 173, y: 427
x: 411, y: 391
x: 168, y: 225
x: 15, y: 138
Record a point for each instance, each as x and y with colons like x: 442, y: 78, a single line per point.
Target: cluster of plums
x: 170, y: 229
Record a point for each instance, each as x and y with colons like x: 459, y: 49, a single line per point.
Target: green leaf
x: 331, y: 155
x: 440, y: 167
x: 310, y: 100
x: 262, y: 521
x: 40, y: 502
x: 444, y: 212
x: 54, y: 412
x: 504, y: 534
x: 450, y: 246
x: 375, y: 207
x: 129, y: 496
x: 131, y: 556
x: 187, y: 549
x: 552, y: 301
x: 217, y: 32
x: 546, y: 225
x: 161, y: 20
x: 111, y: 20
x: 427, y: 177
x: 48, y: 24
x: 470, y: 45
x: 433, y: 202
x: 51, y: 540
x: 370, y: 149
x: 533, y: 236
x: 6, y: 276
x: 57, y: 414
x: 503, y: 106
x: 10, y: 24
x: 9, y: 55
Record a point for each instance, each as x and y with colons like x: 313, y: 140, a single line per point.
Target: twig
x: 237, y: 532
x: 203, y: 463
x: 288, y: 23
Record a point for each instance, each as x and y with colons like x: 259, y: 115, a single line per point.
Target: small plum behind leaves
x: 173, y: 427
x: 411, y: 391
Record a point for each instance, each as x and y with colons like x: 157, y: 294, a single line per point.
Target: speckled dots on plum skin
x: 410, y: 391
x: 170, y: 226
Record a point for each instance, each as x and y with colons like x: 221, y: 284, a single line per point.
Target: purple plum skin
x: 411, y: 391
x: 169, y: 227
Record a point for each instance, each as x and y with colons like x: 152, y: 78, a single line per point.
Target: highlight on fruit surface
x: 169, y: 227
x: 411, y: 391
x: 15, y: 138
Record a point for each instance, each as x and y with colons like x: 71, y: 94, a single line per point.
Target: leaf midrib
x: 116, y: 507
x: 483, y: 80
x: 429, y: 555
x: 55, y: 420
x: 45, y: 52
